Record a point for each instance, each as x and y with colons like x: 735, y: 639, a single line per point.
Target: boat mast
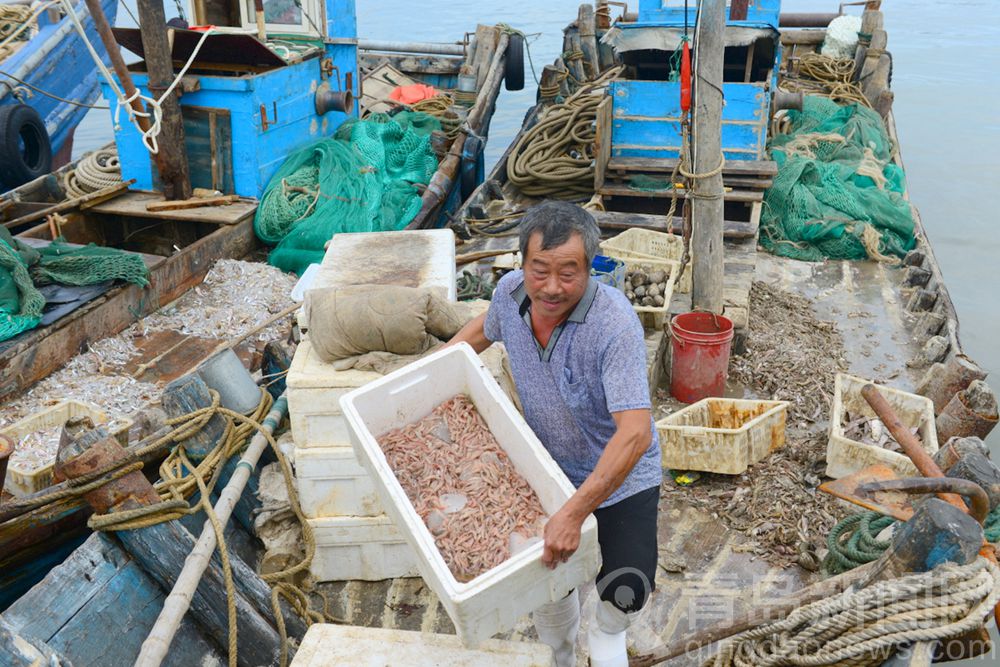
x: 707, y: 193
x: 175, y: 179
x: 121, y: 70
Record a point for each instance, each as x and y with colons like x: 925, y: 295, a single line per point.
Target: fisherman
x: 578, y: 357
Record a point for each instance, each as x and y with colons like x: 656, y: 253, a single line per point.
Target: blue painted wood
x: 56, y: 61
x: 97, y: 607
x: 283, y: 99
x: 671, y: 12
x: 646, y: 119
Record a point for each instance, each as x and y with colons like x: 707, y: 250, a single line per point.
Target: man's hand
x: 562, y: 537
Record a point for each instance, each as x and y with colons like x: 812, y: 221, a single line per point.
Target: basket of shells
x: 649, y: 286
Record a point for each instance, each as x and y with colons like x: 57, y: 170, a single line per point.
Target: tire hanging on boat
x: 25, y: 150
x: 513, y: 75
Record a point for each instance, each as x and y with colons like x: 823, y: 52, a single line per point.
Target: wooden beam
x: 616, y: 190
x: 588, y: 40
x: 37, y: 353
x: 83, y: 201
x: 171, y: 159
x: 615, y: 220
x: 193, y: 202
x: 708, y: 267
x: 667, y: 165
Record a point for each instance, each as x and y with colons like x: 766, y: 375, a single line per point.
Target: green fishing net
x: 23, y: 268
x: 837, y: 194
x: 361, y: 180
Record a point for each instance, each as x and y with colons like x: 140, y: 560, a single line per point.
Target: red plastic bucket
x: 700, y: 344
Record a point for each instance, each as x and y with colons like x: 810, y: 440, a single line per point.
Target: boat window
x: 286, y: 16
x: 747, y: 64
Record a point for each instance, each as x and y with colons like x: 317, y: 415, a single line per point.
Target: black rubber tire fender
x: 25, y: 149
x: 513, y: 73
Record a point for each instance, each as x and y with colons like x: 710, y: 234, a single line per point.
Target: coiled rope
x: 95, y: 171
x: 181, y: 477
x: 826, y: 76
x: 555, y: 157
x: 865, y: 627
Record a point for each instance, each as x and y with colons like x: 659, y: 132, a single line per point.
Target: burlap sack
x: 346, y: 322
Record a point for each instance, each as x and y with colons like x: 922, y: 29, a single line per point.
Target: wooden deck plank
x: 611, y: 190
x: 616, y: 220
x: 133, y: 204
x: 666, y: 165
x: 35, y: 354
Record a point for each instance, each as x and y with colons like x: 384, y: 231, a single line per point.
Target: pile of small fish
x: 235, y: 297
x: 870, y: 431
x: 462, y: 484
x: 646, y: 287
x: 791, y: 355
x: 37, y: 450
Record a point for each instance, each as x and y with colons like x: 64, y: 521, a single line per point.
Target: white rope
x: 155, y: 105
x: 866, y: 626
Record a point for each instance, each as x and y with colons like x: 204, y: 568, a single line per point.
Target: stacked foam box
x: 354, y: 538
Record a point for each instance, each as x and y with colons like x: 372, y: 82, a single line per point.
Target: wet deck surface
x: 707, y: 571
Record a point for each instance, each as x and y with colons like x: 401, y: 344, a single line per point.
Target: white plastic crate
x: 360, y: 547
x: 495, y: 600
x: 326, y: 645
x: 314, y: 391
x: 845, y: 456
x: 722, y: 435
x: 409, y: 258
x: 331, y: 483
x: 653, y: 317
x: 22, y: 480
x: 649, y: 244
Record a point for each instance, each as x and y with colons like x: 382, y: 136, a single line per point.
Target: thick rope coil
x: 865, y: 627
x: 554, y: 158
x: 95, y: 171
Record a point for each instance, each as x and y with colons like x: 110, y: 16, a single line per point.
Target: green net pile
x: 23, y: 269
x: 362, y: 180
x: 837, y: 194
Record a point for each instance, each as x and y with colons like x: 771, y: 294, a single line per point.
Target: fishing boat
x: 733, y: 546
x: 48, y: 85
x: 179, y: 246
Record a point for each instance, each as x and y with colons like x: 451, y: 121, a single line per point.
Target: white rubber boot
x: 557, y: 624
x: 606, y: 637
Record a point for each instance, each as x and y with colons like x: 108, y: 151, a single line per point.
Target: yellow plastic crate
x: 647, y: 244
x: 723, y: 435
x: 22, y: 481
x: 654, y: 317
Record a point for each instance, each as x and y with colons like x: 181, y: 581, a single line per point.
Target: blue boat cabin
x: 248, y: 104
x: 646, y: 111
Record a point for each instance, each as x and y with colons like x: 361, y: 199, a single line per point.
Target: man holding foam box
x: 578, y: 357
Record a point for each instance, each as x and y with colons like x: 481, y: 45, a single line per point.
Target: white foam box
x: 409, y: 258
x: 722, y: 435
x: 496, y: 599
x: 314, y: 392
x: 845, y: 456
x: 360, y: 547
x: 326, y: 645
x: 331, y: 482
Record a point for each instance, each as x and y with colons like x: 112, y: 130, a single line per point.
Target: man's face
x: 555, y: 279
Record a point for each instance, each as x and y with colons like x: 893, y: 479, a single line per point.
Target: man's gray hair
x: 557, y: 221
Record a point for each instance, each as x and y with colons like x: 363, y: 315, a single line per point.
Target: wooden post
x: 707, y: 194
x: 161, y: 550
x: 588, y: 40
x: 172, y: 160
x: 121, y: 69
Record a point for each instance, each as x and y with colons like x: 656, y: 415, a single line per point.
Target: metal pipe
x: 806, y: 19
x: 436, y: 48
x: 907, y: 441
x: 975, y: 493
